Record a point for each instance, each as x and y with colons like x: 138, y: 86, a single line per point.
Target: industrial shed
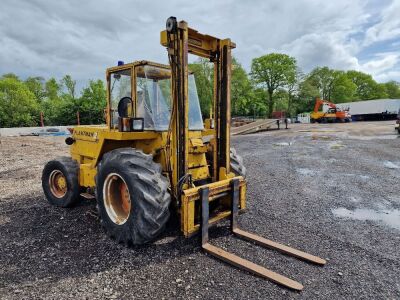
x: 380, y: 109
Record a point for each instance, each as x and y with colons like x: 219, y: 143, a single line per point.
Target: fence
x: 303, y: 118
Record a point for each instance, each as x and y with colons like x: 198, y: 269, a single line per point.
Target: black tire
x: 69, y: 168
x: 147, y: 188
x: 237, y: 165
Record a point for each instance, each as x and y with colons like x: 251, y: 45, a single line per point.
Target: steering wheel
x: 123, y: 106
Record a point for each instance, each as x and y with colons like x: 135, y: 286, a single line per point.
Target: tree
x: 306, y: 95
x: 323, y: 78
x: 18, y: 106
x: 36, y: 86
x: 52, y: 102
x: 257, y: 107
x: 69, y: 85
x: 366, y: 87
x: 11, y: 75
x: 392, y: 89
x: 343, y: 89
x: 293, y: 89
x: 203, y: 73
x: 52, y: 89
x: 272, y: 71
x: 241, y: 90
x: 93, y: 102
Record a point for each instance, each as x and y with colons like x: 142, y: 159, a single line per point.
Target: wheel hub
x: 58, y: 184
x: 116, y: 197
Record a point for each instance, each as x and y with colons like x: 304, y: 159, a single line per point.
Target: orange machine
x: 333, y: 114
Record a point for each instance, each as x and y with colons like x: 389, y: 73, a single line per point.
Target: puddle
x: 282, y: 144
x: 322, y: 137
x: 388, y: 217
x: 390, y: 165
x: 364, y: 177
x: 306, y: 172
x: 373, y: 137
x: 335, y: 146
x: 320, y: 130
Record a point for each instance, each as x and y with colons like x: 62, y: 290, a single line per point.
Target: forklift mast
x: 181, y: 40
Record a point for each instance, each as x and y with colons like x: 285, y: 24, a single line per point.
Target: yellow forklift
x: 155, y: 159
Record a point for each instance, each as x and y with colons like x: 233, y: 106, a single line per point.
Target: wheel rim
x: 58, y: 184
x: 116, y: 198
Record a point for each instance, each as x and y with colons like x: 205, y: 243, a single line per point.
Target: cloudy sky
x: 52, y: 38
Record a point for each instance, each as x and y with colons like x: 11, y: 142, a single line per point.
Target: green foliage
x: 392, y: 89
x: 366, y: 87
x: 22, y: 101
x: 306, y: 96
x: 93, y: 102
x: 343, y: 89
x: 273, y: 71
x: 18, y: 106
x: 36, y: 86
x: 52, y: 89
x: 242, y: 91
x: 69, y: 84
x: 275, y: 83
x: 203, y: 72
x: 324, y: 79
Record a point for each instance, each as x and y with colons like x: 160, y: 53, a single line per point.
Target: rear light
x: 397, y: 121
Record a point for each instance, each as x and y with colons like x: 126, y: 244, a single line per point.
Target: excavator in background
x: 332, y: 115
x: 155, y: 160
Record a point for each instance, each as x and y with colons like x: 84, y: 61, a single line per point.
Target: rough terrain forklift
x: 156, y: 155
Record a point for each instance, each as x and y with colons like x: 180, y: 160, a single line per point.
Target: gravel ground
x: 331, y: 190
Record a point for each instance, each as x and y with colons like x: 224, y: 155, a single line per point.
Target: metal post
x: 41, y: 119
x: 234, y: 203
x: 205, y: 211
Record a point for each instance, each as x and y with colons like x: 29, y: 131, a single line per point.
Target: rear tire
x: 60, y: 182
x: 237, y: 165
x: 132, y: 196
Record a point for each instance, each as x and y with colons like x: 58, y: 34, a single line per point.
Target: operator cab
x: 139, y: 98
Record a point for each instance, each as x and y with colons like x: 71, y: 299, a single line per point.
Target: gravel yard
x: 331, y: 190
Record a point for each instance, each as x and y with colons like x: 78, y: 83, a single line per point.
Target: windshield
x: 153, y: 96
x: 120, y: 88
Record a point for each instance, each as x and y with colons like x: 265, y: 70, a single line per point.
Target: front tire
x: 60, y: 182
x: 132, y: 196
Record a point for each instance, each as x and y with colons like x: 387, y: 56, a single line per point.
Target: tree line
x: 275, y: 83
x: 23, y: 101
